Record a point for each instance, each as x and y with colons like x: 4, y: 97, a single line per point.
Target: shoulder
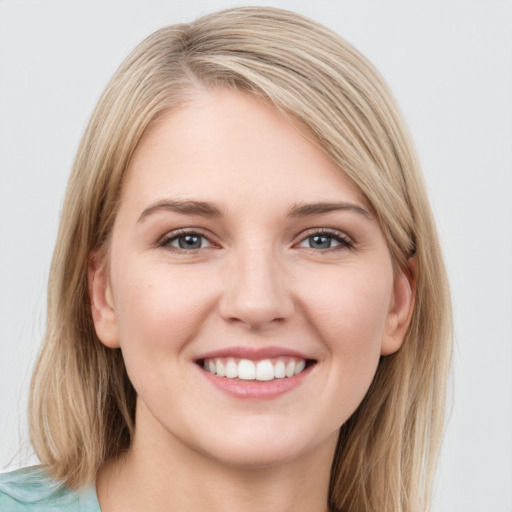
x: 31, y: 490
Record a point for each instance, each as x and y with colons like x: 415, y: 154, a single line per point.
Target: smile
x: 255, y: 372
x: 262, y: 370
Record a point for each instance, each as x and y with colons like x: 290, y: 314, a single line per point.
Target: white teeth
x: 279, y: 370
x: 299, y: 367
x: 231, y: 369
x: 246, y: 370
x: 219, y: 367
x: 263, y: 370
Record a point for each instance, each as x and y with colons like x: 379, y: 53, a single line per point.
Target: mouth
x: 265, y: 369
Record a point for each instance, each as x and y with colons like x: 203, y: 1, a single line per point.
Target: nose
x: 256, y: 292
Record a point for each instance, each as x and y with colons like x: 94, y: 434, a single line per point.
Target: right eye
x: 326, y: 240
x: 185, y: 241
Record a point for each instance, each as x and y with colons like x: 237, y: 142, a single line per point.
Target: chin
x: 263, y: 448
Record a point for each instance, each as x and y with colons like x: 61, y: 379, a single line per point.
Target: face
x: 248, y: 285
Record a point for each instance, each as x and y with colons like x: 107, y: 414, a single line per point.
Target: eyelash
x: 344, y: 242
x: 176, y: 235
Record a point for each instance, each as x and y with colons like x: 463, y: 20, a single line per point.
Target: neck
x: 158, y: 477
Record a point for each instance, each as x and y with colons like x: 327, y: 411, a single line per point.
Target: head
x: 331, y: 94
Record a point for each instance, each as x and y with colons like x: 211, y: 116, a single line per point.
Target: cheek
x: 349, y: 315
x: 158, y: 309
x: 349, y: 309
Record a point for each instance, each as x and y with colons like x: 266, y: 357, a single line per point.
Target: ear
x: 401, y: 309
x: 102, y: 304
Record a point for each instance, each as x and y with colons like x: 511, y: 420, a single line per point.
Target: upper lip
x: 253, y: 353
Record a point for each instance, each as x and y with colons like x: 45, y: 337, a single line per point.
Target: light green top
x: 31, y: 490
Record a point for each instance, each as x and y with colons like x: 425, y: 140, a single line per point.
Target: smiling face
x: 249, y: 286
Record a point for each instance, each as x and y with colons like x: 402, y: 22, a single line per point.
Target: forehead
x: 230, y: 147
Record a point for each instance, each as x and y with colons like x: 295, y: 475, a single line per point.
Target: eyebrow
x: 305, y: 210
x: 209, y: 210
x: 201, y: 208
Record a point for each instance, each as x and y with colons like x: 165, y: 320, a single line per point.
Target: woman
x: 248, y: 307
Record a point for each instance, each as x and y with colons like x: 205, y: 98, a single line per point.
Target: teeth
x: 299, y: 367
x: 263, y: 370
x: 246, y: 370
x: 219, y: 367
x: 279, y: 370
x: 290, y: 369
x: 231, y: 369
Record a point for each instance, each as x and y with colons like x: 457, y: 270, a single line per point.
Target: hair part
x: 82, y: 405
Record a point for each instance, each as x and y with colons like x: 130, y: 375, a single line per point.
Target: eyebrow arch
x: 304, y: 210
x: 202, y: 208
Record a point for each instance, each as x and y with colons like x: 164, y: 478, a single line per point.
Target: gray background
x: 450, y: 65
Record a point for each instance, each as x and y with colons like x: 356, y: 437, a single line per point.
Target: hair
x: 82, y: 404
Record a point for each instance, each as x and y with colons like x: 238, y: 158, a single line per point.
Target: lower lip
x: 256, y: 388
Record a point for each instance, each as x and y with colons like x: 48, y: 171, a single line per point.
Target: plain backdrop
x: 450, y: 66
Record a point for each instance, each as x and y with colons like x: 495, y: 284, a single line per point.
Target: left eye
x: 187, y: 241
x: 324, y: 241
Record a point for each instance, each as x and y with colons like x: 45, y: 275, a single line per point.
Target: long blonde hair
x: 82, y: 403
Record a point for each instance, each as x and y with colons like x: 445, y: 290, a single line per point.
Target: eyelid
x: 346, y: 242
x: 170, y: 236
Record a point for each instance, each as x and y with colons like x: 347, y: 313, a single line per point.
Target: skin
x: 255, y: 282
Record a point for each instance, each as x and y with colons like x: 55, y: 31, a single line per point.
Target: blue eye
x: 325, y: 240
x: 320, y: 242
x: 186, y: 241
